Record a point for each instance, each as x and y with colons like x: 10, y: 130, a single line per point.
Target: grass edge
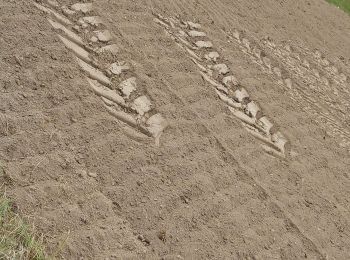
x: 18, y: 240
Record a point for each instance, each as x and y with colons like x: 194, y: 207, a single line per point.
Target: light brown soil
x: 208, y: 190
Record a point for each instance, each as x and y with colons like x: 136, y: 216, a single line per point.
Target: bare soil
x: 208, y: 190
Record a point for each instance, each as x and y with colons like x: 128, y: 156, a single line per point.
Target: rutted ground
x: 109, y: 77
x: 188, y: 36
x: 208, y: 190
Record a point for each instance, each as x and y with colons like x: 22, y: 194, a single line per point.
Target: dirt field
x: 183, y: 129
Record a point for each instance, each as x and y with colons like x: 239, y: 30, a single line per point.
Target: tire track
x: 334, y: 127
x: 170, y: 85
x: 332, y: 203
x: 217, y: 74
x: 121, y: 98
x: 291, y: 75
x: 53, y: 174
x: 225, y: 150
x: 291, y: 80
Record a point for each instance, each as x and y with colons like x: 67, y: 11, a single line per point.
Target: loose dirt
x: 178, y: 129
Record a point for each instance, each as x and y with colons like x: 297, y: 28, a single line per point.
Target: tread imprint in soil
x: 291, y: 66
x: 114, y: 81
x: 200, y: 50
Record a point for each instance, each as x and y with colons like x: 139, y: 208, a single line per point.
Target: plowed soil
x: 208, y: 189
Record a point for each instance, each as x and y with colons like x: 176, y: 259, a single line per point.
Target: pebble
x: 92, y: 174
x: 81, y: 173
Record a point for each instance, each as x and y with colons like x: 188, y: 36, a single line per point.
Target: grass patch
x: 342, y: 4
x: 17, y: 239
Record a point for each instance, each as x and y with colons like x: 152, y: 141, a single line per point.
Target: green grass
x: 342, y: 4
x: 17, y: 239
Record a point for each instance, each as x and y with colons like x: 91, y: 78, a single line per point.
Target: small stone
x: 92, y: 174
x: 81, y: 173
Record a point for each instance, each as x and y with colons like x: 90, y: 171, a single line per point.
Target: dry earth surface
x: 81, y: 146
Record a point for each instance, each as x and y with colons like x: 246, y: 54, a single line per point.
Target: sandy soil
x: 111, y: 180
